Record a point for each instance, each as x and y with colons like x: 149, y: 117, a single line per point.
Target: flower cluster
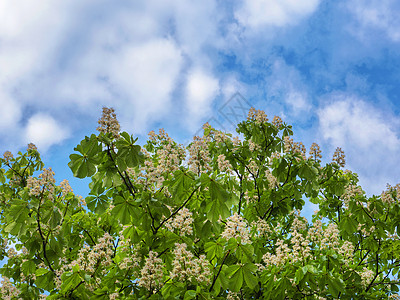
x: 152, y: 272
x: 65, y: 187
x: 97, y: 258
x: 236, y: 143
x: 129, y: 253
x: 275, y: 155
x: 182, y: 221
x: 262, y: 227
x: 366, y: 277
x: 44, y: 183
x: 258, y: 116
x: 350, y: 193
x: 223, y: 164
x: 217, y: 135
x: 232, y: 296
x: 391, y: 195
x: 199, y: 155
x: 252, y: 167
x: 304, y: 244
x: 32, y: 147
x: 291, y: 146
x: 11, y: 252
x: 7, y: 290
x: 109, y: 123
x: 250, y: 198
x: 188, y: 268
x: 253, y: 146
x: 166, y: 160
x: 64, y: 267
x: 277, y: 122
x: 315, y: 152
x: 338, y: 157
x: 236, y: 227
x: 272, y: 181
x: 8, y: 156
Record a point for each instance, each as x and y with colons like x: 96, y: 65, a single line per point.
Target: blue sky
x: 330, y: 68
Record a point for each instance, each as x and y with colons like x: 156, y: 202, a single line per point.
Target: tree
x: 217, y: 220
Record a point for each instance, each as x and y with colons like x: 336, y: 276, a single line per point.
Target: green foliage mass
x: 217, y: 220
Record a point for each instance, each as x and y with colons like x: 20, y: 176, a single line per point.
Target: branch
x: 377, y: 266
x: 119, y: 172
x: 287, y: 177
x: 176, y: 211
x: 44, y: 244
x: 219, y: 271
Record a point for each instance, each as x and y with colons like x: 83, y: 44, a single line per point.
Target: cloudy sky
x: 330, y: 68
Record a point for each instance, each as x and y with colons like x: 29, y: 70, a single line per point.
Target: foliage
x: 217, y: 220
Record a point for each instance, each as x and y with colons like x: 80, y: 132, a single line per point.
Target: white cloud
x: 285, y: 84
x: 297, y: 101
x: 147, y: 74
x: 376, y: 14
x: 201, y: 89
x: 354, y: 120
x: 29, y: 33
x: 367, y: 136
x: 197, y: 27
x: 44, y: 131
x: 231, y: 85
x: 259, y: 13
x: 10, y: 112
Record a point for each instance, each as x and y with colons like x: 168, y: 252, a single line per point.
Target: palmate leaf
x: 124, y: 210
x: 248, y: 273
x: 129, y: 154
x: 44, y: 279
x: 335, y: 285
x: 55, y: 218
x: 180, y: 183
x: 213, y: 250
x: 84, y: 164
x: 219, y: 199
x: 70, y: 281
x: 97, y: 204
x: 242, y: 273
x: 235, y: 273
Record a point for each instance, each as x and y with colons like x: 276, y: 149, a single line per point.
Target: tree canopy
x: 217, y: 219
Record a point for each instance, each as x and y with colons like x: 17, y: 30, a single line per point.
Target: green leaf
x: 335, y: 285
x: 41, y: 271
x: 236, y: 280
x: 245, y: 252
x: 217, y: 207
x: 29, y: 267
x: 55, y: 218
x: 97, y: 204
x: 299, y: 275
x: 124, y: 210
x: 84, y: 164
x: 70, y: 281
x: 180, y: 183
x: 190, y: 294
x: 250, y: 279
x: 213, y: 250
x: 44, y: 281
x: 10, y: 227
x: 232, y: 270
x: 129, y: 155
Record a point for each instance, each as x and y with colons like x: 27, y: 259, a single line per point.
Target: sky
x: 329, y: 68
